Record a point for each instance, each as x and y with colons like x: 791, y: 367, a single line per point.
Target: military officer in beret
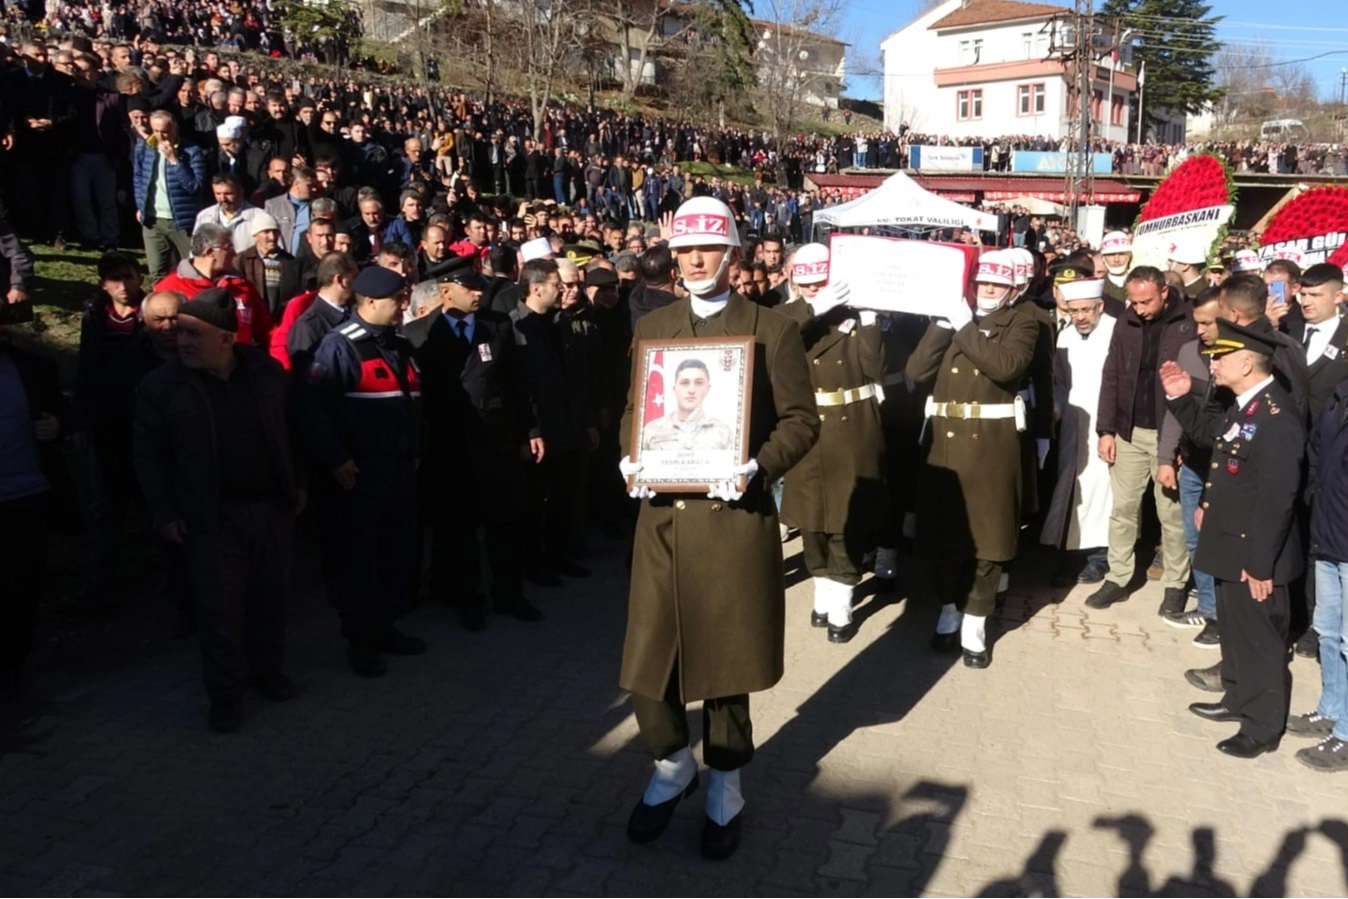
x: 969, y: 490
x: 686, y: 639
x: 837, y: 495
x: 481, y: 431
x: 1248, y: 537
x: 360, y: 420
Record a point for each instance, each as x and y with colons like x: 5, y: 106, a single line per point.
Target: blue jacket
x: 186, y: 182
x: 1329, y: 480
x: 401, y: 230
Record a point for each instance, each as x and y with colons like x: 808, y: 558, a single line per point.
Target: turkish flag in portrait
x: 655, y: 388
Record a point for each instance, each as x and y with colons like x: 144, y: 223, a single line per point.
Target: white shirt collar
x: 330, y: 302
x: 706, y: 307
x: 1320, y: 338
x: 1250, y: 394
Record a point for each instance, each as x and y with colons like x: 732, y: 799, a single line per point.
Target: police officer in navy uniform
x: 360, y: 420
x: 1248, y: 536
x: 481, y: 430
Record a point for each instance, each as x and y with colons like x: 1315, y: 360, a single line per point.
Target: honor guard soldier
x: 360, y: 420
x: 837, y: 496
x: 1248, y: 538
x: 969, y: 491
x: 1117, y: 250
x: 685, y: 641
x: 1189, y: 259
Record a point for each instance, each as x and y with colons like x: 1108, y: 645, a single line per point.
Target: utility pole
x: 1079, y: 183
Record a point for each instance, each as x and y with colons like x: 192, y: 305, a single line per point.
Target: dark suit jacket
x: 361, y: 250
x: 1327, y: 372
x: 254, y: 270
x: 1250, y: 496
x: 503, y: 295
x: 478, y: 411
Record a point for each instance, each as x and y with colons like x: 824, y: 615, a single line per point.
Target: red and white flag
x: 655, y: 388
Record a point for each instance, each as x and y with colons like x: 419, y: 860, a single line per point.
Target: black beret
x: 379, y: 283
x: 214, y: 306
x: 461, y: 270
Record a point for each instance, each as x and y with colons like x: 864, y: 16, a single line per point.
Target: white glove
x: 630, y: 468
x: 833, y: 295
x: 867, y: 317
x: 958, y: 313
x: 729, y: 490
x: 1041, y: 449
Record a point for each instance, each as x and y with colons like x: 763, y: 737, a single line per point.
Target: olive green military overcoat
x: 708, y: 591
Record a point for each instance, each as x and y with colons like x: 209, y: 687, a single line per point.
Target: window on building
x: 1030, y: 99
x: 969, y: 105
x: 978, y: 50
x: 1027, y: 44
x: 1041, y: 45
x: 966, y: 53
x: 1097, y: 106
x: 1116, y: 108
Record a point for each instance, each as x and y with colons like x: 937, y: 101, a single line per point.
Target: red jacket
x: 254, y: 317
x: 294, y: 309
x: 466, y: 247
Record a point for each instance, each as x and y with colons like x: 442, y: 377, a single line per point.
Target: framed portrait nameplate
x: 690, y: 425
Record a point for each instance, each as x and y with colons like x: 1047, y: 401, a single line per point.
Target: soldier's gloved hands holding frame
x: 729, y: 490
x: 831, y: 296
x: 629, y: 469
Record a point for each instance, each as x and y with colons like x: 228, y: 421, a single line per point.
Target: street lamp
x: 1343, y: 82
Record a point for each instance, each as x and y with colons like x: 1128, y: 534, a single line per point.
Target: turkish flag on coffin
x: 655, y: 388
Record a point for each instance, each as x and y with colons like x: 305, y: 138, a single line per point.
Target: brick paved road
x: 504, y: 764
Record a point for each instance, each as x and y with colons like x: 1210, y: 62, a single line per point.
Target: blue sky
x: 1291, y: 31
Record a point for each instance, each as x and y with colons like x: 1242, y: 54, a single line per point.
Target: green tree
x: 332, y: 26
x: 718, y: 72
x: 1178, y: 42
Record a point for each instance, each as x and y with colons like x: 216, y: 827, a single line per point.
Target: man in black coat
x: 214, y: 457
x: 45, y: 118
x: 566, y: 413
x: 1248, y: 536
x: 481, y: 431
x: 283, y: 134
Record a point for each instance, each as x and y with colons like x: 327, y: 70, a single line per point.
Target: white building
x: 986, y: 68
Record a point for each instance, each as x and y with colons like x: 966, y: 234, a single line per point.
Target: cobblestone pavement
x: 505, y: 763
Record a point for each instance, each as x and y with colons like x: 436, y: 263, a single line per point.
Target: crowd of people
x: 350, y: 328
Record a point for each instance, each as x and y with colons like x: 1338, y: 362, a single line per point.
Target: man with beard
x: 1078, y: 516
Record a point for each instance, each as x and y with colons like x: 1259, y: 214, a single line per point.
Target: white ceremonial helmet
x: 1246, y: 262
x: 1023, y: 261
x: 1116, y: 242
x: 996, y: 267
x: 703, y: 221
x: 810, y: 265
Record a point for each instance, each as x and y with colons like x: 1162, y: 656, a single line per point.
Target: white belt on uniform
x: 979, y: 411
x: 843, y: 397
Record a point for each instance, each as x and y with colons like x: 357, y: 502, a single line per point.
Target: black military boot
x: 1174, y: 601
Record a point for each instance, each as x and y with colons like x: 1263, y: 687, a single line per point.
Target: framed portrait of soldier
x: 690, y: 427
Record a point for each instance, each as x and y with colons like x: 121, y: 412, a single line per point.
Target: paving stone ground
x: 506, y: 762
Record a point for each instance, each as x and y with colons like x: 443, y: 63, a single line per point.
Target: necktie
x: 1306, y: 341
x: 462, y: 325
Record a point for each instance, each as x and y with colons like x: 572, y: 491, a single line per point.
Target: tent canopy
x: 1035, y: 205
x: 899, y: 201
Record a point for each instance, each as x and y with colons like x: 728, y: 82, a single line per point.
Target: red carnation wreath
x: 1200, y: 182
x: 1316, y: 213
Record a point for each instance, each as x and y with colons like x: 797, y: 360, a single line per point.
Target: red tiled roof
x: 983, y: 12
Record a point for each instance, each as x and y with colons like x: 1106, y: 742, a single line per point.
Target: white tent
x: 900, y: 202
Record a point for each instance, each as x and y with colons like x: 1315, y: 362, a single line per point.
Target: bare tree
x: 796, y: 58
x: 552, y: 37
x: 629, y: 19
